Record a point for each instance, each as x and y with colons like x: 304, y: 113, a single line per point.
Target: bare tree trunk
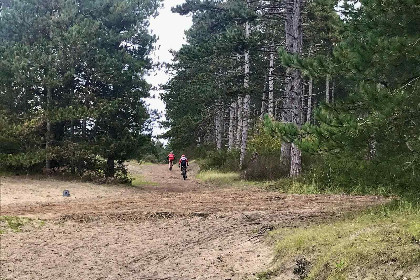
x: 277, y: 110
x: 286, y: 105
x: 271, y: 83
x: 264, y: 98
x: 246, y: 101
x: 309, y: 110
x: 48, y: 134
x: 232, y: 127
x: 72, y: 162
x: 302, y: 103
x: 84, y: 128
x: 327, y: 89
x: 296, y: 161
x: 239, y: 119
x: 294, y: 78
x: 332, y: 91
x: 219, y: 126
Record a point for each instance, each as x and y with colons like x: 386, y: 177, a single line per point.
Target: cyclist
x: 183, y: 163
x: 171, y: 158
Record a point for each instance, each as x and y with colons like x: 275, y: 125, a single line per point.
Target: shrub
x: 265, y: 167
x: 221, y: 160
x: 150, y: 158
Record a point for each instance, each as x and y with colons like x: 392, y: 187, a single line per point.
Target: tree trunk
x: 72, y: 162
x: 219, y: 126
x: 264, y: 101
x: 232, y: 127
x: 309, y: 110
x: 48, y: 134
x: 293, y: 91
x: 245, y: 124
x: 84, y: 128
x: 332, y: 91
x: 285, y: 111
x: 246, y: 101
x: 296, y: 161
x: 327, y: 89
x: 239, y: 120
x: 271, y: 83
x: 302, y: 103
x: 110, y: 167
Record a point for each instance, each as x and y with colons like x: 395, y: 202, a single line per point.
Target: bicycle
x: 184, y: 172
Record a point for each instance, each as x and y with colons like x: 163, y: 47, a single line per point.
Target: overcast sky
x: 169, y: 28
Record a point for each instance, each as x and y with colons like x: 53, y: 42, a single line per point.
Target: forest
x: 326, y: 90
x: 321, y: 90
x: 72, y: 83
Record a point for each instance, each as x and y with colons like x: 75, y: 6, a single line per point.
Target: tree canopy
x: 71, y: 82
x: 358, y: 87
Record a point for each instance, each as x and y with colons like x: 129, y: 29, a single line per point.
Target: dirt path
x: 174, y: 229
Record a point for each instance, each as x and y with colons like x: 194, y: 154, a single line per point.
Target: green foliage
x: 263, y: 141
x: 77, y: 66
x: 221, y: 160
x: 208, y: 70
x: 367, y: 142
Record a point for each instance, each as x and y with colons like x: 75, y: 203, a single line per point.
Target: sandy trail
x: 174, y: 229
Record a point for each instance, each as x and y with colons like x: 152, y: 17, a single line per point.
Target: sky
x: 169, y: 28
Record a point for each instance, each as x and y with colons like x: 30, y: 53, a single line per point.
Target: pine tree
x: 78, y: 68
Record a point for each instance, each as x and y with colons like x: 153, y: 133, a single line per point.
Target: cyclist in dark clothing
x: 183, y: 163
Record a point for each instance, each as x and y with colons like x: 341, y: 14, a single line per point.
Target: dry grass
x: 381, y: 244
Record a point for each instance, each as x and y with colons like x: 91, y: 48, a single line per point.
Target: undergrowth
x: 382, y: 243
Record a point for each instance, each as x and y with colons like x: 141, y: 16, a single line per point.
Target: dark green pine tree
x: 72, y: 74
x: 370, y: 137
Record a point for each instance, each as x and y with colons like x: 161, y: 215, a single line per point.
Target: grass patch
x: 17, y: 224
x: 147, y: 163
x: 219, y: 178
x: 140, y: 181
x: 379, y: 244
x: 266, y: 275
x: 287, y: 185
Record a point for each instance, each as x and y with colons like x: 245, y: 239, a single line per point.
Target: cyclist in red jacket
x: 171, y: 158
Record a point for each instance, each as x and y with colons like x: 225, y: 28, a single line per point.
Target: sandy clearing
x: 174, y: 229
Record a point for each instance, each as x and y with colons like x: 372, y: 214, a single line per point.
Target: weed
x: 16, y: 224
